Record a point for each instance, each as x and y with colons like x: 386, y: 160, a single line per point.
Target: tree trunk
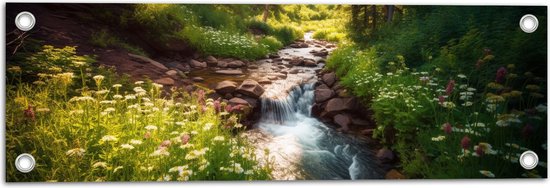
x: 373, y: 12
x: 266, y: 13
x: 389, y: 12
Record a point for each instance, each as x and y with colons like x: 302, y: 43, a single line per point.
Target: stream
x: 302, y: 147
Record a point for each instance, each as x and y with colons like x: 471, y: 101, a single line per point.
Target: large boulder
x: 211, y: 61
x: 225, y: 87
x: 337, y: 105
x: 251, y: 88
x: 197, y: 64
x: 296, y: 61
x: 343, y: 120
x: 321, y: 95
x: 230, y: 72
x: 329, y: 78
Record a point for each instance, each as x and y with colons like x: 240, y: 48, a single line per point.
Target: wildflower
x: 162, y: 151
x: 511, y: 66
x: 151, y: 127
x: 441, y: 99
x: 127, y: 146
x: 100, y: 164
x: 536, y: 95
x: 14, y: 69
x: 487, y: 173
x: 461, y: 76
x: 494, y: 85
x: 147, y: 135
x: 98, y: 78
x: 135, y: 142
x: 77, y: 152
x: 117, y: 97
x: 515, y: 93
x: 207, y: 126
x: 185, y: 138
x: 219, y: 138
x: 39, y: 82
x: 109, y: 138
x: 128, y: 97
x: 138, y: 82
x: 117, y: 168
x: 532, y: 87
x: 450, y: 87
x: 165, y: 143
x: 438, y: 138
x: 448, y: 105
x: 102, y: 92
x: 29, y: 112
x: 465, y: 142
x: 541, y: 108
x: 484, y: 148
x: 42, y: 110
x: 501, y: 73
x: 158, y: 86
x: 117, y: 85
x: 467, y: 103
x: 447, y: 128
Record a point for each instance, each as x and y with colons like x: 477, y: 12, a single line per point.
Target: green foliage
x: 215, y: 42
x: 113, y: 130
x: 256, y: 24
x: 104, y: 39
x: 272, y: 43
x: 286, y: 34
x: 405, y: 70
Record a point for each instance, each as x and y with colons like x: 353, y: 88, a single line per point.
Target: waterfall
x: 298, y: 101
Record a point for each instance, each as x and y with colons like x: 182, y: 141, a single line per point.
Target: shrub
x: 256, y: 24
x: 286, y: 34
x: 272, y: 43
x: 104, y: 39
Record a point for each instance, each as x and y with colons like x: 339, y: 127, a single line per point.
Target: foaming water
x: 302, y: 147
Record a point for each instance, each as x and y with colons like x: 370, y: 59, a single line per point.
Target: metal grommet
x: 25, y: 163
x: 25, y: 21
x: 528, y: 23
x: 528, y: 160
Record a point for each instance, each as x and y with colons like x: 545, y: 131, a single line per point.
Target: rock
x: 211, y: 61
x: 330, y: 46
x: 171, y: 73
x: 385, y: 155
x: 252, y: 101
x: 279, y: 75
x: 235, y: 64
x: 309, y: 63
x: 197, y: 79
x: 272, y: 56
x: 344, y: 120
x: 342, y: 93
x: 337, y: 86
x: 321, y: 95
x: 360, y: 122
x: 236, y: 101
x: 322, y: 86
x: 190, y: 88
x: 252, y: 66
x: 322, y: 60
x: 227, y: 96
x: 336, y: 105
x: 230, y: 72
x: 225, y: 87
x: 296, y: 61
x: 316, y: 109
x: 222, y: 63
x: 288, y: 65
x: 197, y: 64
x: 187, y: 81
x: 329, y: 78
x: 147, y: 60
x: 366, y: 132
x: 294, y: 45
x: 303, y: 45
x: 165, y: 81
x: 264, y: 81
x: 320, y: 53
x: 251, y: 88
x: 294, y: 71
x: 394, y: 174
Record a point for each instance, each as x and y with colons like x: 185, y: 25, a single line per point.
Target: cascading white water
x: 319, y: 151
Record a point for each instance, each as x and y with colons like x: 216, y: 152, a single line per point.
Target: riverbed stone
x: 343, y: 120
x: 147, y: 60
x: 230, y: 72
x: 211, y: 61
x: 235, y: 64
x: 321, y: 95
x: 197, y: 64
x: 309, y: 63
x: 329, y: 78
x: 251, y: 88
x: 165, y: 81
x: 360, y: 122
x: 385, y: 155
x: 171, y: 73
x: 264, y: 81
x: 323, y: 86
x: 236, y: 101
x: 294, y: 71
x: 252, y: 66
x: 225, y: 87
x: 197, y: 79
x: 394, y: 174
x: 337, y: 105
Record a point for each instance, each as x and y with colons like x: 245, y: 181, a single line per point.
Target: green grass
x: 86, y: 126
x: 104, y: 39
